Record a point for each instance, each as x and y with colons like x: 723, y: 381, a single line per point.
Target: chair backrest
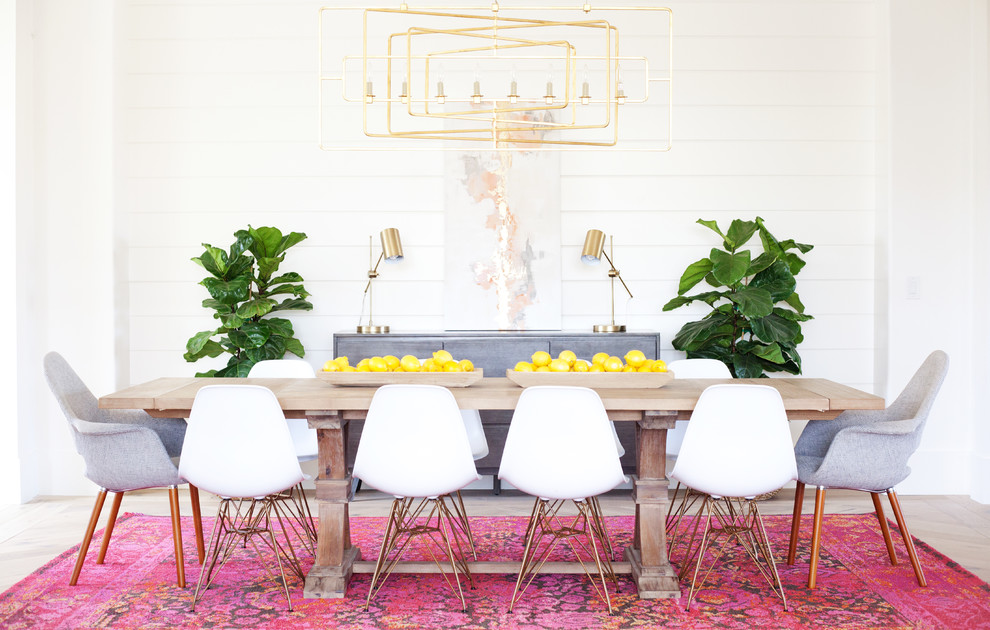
x: 74, y: 398
x: 475, y: 432
x: 738, y: 443
x: 560, y: 445
x: 699, y: 368
x: 916, y: 399
x: 414, y: 443
x: 282, y: 368
x: 303, y: 438
x: 237, y: 443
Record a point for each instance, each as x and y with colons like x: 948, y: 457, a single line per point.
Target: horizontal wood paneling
x: 773, y: 116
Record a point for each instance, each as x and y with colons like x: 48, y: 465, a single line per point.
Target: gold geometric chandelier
x: 512, y: 78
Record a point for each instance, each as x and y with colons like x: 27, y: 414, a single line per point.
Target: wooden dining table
x: 330, y: 408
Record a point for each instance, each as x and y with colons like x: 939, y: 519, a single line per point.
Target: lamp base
x: 609, y: 328
x: 372, y: 329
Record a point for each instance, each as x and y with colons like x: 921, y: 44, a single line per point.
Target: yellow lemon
x: 348, y: 368
x: 330, y: 366
x: 567, y: 355
x: 635, y: 358
x: 410, y: 363
x: 363, y: 362
x: 442, y: 357
x: 378, y: 364
x: 452, y: 366
x: 342, y: 362
x: 658, y: 366
x: 613, y: 364
x: 629, y: 368
x: 523, y: 366
x: 599, y: 358
x: 363, y: 368
x: 541, y: 358
x: 559, y: 365
x: 429, y: 365
x: 646, y: 366
x: 392, y: 362
x: 580, y: 365
x: 542, y: 368
x: 466, y: 365
x: 596, y: 368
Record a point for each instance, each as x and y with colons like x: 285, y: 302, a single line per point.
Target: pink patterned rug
x: 857, y: 588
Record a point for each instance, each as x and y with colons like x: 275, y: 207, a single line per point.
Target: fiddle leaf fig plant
x: 245, y: 290
x: 755, y: 321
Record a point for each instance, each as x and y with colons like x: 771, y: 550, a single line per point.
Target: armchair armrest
x: 122, y: 457
x: 870, y: 457
x: 171, y: 431
x: 818, y: 434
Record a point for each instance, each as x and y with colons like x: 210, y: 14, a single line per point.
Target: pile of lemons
x: 441, y: 361
x: 567, y: 361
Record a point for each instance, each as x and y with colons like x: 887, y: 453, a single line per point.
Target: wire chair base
x: 546, y: 528
x: 434, y: 519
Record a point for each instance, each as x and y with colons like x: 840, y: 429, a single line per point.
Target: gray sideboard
x: 495, y: 352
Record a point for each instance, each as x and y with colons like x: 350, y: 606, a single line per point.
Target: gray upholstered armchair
x: 868, y: 451
x: 123, y: 450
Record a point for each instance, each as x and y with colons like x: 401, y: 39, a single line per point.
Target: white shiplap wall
x: 774, y: 110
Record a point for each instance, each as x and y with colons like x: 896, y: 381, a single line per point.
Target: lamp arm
x: 374, y: 272
x: 617, y: 274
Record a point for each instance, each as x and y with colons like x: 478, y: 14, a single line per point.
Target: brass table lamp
x: 391, y: 253
x: 591, y: 254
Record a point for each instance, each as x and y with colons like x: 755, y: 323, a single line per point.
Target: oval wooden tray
x: 603, y: 380
x: 377, y: 379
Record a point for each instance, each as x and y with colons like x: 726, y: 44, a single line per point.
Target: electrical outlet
x: 913, y: 288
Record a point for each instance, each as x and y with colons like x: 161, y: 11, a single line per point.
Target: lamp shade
x: 391, y: 245
x: 592, y: 250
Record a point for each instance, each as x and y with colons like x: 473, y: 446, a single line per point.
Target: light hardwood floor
x: 34, y: 533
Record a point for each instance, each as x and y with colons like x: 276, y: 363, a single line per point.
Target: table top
x: 804, y: 398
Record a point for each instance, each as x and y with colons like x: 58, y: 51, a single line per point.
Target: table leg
x: 335, y: 556
x: 651, y: 570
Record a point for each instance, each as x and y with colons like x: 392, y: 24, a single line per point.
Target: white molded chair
x: 475, y: 433
x: 559, y: 448
x: 737, y: 446
x: 414, y: 446
x: 238, y: 447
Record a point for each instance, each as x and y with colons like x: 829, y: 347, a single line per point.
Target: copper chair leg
x: 795, y: 522
x: 197, y: 522
x: 88, y: 536
x: 816, y: 535
x: 180, y: 567
x: 884, y: 527
x: 896, y: 506
x: 111, y: 520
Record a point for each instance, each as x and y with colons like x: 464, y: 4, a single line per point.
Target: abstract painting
x: 502, y: 241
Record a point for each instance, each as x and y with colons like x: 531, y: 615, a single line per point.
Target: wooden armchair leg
x: 816, y: 535
x: 197, y: 522
x: 795, y: 522
x: 88, y: 536
x: 111, y: 521
x: 908, y: 542
x: 180, y: 567
x: 884, y: 527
